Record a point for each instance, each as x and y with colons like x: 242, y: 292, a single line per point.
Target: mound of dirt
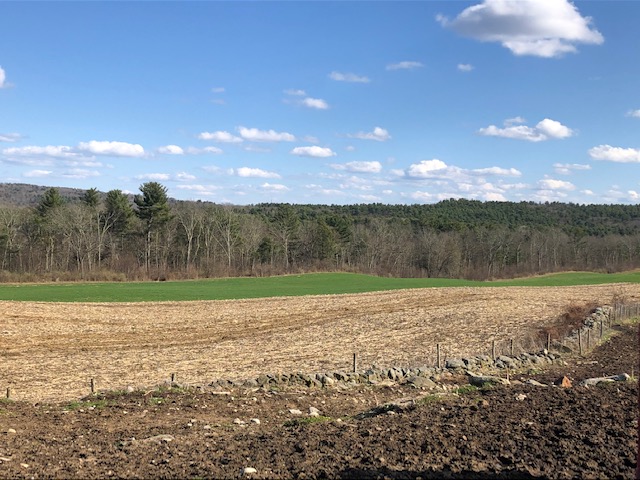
x: 516, y: 431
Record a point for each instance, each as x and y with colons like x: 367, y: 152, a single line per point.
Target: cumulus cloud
x: 255, y: 135
x: 185, y: 177
x: 543, y: 28
x: 552, y: 184
x: 255, y: 172
x: 171, y: 150
x: 117, y: 149
x: 203, y: 151
x: 3, y: 78
x: 505, y: 172
x: 426, y: 168
x: 219, y: 136
x: 316, y: 103
x: 37, y: 173
x: 406, y: 65
x: 313, y: 151
x: 615, y: 154
x: 359, y: 167
x: 80, y: 173
x: 634, y: 113
x: 348, y: 77
x: 274, y: 187
x: 465, y: 67
x: 544, y: 130
x: 55, y: 151
x: 10, y: 137
x: 379, y: 134
x: 207, y: 190
x: 568, y: 168
x: 154, y: 177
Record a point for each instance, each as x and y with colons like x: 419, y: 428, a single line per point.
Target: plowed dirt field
x: 50, y: 351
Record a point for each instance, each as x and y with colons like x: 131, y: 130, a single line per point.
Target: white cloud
x: 255, y: 135
x: 465, y: 67
x: 634, y: 113
x: 203, y: 151
x: 37, y: 173
x: 544, y: 130
x: 633, y: 195
x: 218, y: 90
x: 219, y: 136
x: 80, y: 173
x: 505, y: 172
x: 421, y: 196
x: 552, y: 184
x: 553, y: 129
x: 543, y: 28
x: 200, y: 189
x: 348, y: 77
x: 185, y: 177
x: 494, y: 197
x: 118, y: 149
x: 255, y: 172
x: 295, y: 92
x: 379, y: 134
x: 255, y: 148
x: 154, y: 177
x: 3, y: 78
x: 313, y: 151
x: 316, y: 103
x: 274, y: 187
x: 406, y: 65
x: 171, y: 150
x: 10, y: 137
x: 426, y: 168
x: 359, y: 167
x: 615, y: 154
x: 59, y: 151
x: 568, y: 168
x: 587, y: 192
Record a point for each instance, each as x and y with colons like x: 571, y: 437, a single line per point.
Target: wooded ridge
x: 63, y: 233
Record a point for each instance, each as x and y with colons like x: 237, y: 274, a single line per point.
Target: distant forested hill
x: 71, y: 233
x: 25, y: 195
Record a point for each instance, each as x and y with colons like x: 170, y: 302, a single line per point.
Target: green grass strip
x: 289, y: 285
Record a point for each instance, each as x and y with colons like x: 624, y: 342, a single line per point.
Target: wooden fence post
x: 8, y: 393
x: 438, y: 356
x: 92, y: 384
x: 601, y: 328
x: 355, y: 362
x: 549, y: 342
x: 493, y: 350
x: 580, y: 341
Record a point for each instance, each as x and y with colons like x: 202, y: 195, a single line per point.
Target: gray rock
x: 486, y: 380
x: 420, y: 382
x: 454, y: 363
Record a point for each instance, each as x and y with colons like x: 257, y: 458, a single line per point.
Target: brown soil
x: 51, y: 351
x: 553, y: 432
x: 196, y: 432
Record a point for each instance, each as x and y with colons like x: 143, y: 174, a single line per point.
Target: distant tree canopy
x: 89, y: 234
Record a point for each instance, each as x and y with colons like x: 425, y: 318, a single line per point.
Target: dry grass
x: 49, y: 351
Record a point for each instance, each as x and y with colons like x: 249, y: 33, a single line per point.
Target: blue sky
x: 325, y: 102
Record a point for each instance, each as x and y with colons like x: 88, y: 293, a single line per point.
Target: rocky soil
x: 362, y: 431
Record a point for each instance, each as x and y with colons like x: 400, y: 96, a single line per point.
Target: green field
x: 290, y: 285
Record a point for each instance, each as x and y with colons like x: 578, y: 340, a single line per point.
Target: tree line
x: 150, y: 236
